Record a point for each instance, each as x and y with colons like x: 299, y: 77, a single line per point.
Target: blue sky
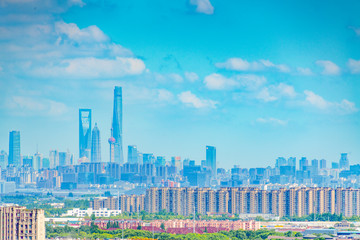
x: 256, y: 79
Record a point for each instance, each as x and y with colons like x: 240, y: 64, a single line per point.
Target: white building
x: 102, y: 212
x: 7, y: 187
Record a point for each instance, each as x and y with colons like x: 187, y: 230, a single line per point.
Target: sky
x: 256, y: 79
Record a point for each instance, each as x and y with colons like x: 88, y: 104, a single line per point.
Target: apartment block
x: 19, y: 223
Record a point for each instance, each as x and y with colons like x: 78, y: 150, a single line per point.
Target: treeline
x: 322, y: 217
x: 93, y: 232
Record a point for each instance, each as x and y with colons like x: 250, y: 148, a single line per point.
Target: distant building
x: 211, y: 159
x: 7, y: 187
x: 303, y: 164
x: 54, y: 158
x: 322, y: 164
x: 38, y: 161
x: 14, y: 148
x: 3, y: 159
x: 176, y: 162
x: 335, y: 165
x: 133, y: 154
x: 95, y: 145
x: 160, y: 161
x: 21, y: 223
x: 84, y: 133
x: 102, y: 212
x: 148, y: 158
x: 28, y: 160
x: 117, y: 126
x: 344, y: 161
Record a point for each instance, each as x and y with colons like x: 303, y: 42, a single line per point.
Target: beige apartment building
x: 19, y: 223
x: 281, y: 202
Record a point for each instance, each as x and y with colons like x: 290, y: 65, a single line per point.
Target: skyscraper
x: 322, y: 163
x: 14, y: 148
x: 84, y: 133
x: 53, y: 158
x: 211, y: 159
x: 344, y: 161
x: 117, y: 126
x: 95, y: 145
x: 133, y: 154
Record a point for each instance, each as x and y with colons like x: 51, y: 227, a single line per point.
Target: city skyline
x: 256, y: 86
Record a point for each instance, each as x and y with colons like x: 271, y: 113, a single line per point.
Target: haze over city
x: 257, y: 84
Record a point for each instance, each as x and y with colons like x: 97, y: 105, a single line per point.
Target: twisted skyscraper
x: 117, y: 126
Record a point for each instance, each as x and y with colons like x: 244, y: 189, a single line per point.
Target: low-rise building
x: 102, y: 212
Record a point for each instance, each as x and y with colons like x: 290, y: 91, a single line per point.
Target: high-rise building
x: 84, y: 133
x: 322, y: 164
x: 292, y: 161
x: 344, y: 161
x: 54, y: 158
x: 95, y: 145
x: 280, y: 161
x: 28, y: 161
x: 21, y: 223
x: 38, y: 161
x: 133, y: 154
x: 211, y: 159
x: 64, y: 158
x: 148, y: 158
x: 160, y: 161
x: 3, y: 159
x: 117, y: 126
x: 14, y: 148
x: 176, y: 162
x: 303, y: 163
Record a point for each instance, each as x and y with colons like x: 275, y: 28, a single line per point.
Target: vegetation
x: 93, y: 232
x: 321, y: 217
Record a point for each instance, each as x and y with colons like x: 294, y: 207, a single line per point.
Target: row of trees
x: 93, y: 232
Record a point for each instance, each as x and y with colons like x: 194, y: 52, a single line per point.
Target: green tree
x: 93, y: 217
x: 162, y: 226
x: 139, y: 227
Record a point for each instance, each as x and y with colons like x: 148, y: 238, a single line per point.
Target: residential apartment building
x: 19, y: 223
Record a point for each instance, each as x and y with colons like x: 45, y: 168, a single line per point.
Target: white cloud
x: 191, y: 76
x: 271, y: 120
x: 265, y: 95
x: 354, y: 66
x: 343, y: 107
x: 25, y: 106
x: 165, y: 95
x: 93, y: 68
x: 305, y: 71
x: 329, y: 68
x: 192, y: 100
x: 73, y: 32
x: 285, y: 90
x: 176, y: 77
x: 203, y: 6
x: 217, y: 81
x: 239, y: 64
x: 1, y: 68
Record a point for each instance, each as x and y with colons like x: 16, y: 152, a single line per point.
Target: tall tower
x: 95, y: 145
x: 211, y: 159
x: 84, y: 133
x: 14, y: 148
x: 344, y: 161
x: 117, y: 126
x: 111, y: 141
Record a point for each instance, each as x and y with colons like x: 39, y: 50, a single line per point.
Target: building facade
x: 14, y: 148
x: 20, y: 223
x: 117, y: 126
x: 84, y: 133
x: 95, y: 145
